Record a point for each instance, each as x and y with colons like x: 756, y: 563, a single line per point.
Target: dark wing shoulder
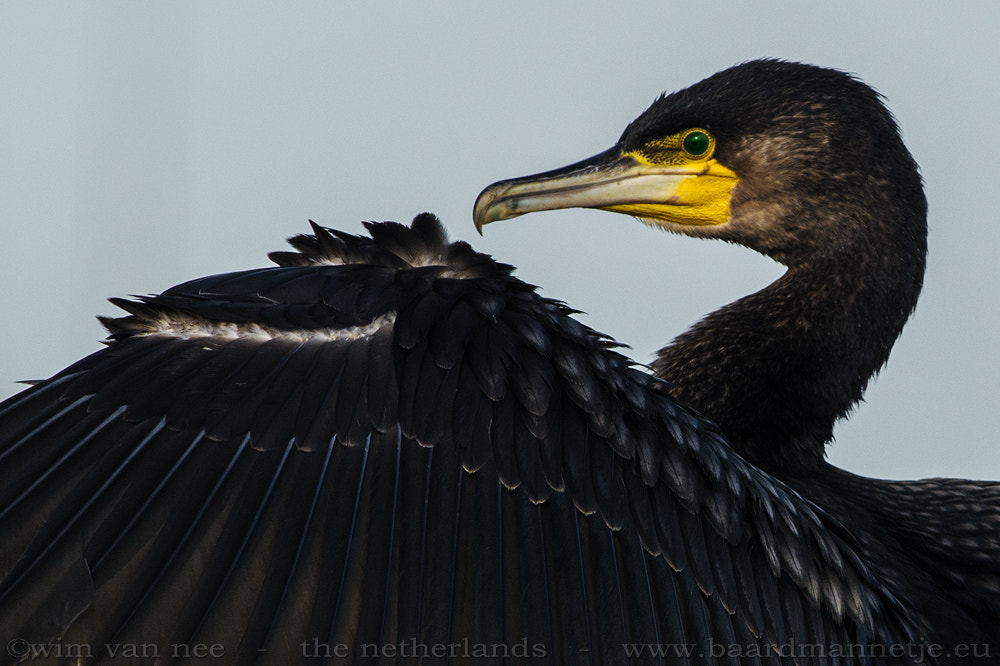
x: 951, y: 528
x: 390, y: 443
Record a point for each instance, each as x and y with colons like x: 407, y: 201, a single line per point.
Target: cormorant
x: 390, y: 447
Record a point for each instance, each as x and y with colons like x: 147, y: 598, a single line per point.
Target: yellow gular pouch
x: 691, y: 187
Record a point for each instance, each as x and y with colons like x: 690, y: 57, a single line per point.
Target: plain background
x: 144, y: 144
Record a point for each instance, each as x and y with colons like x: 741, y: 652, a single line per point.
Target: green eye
x: 696, y: 143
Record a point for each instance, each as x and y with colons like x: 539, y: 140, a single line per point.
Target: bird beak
x: 687, y: 194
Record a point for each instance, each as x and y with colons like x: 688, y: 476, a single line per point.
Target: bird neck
x: 776, y: 369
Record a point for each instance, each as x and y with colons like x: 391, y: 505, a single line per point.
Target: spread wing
x: 391, y: 447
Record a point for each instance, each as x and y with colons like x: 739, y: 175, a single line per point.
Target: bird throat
x: 775, y: 370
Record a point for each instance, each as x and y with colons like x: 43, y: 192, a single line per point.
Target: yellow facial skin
x: 674, y: 179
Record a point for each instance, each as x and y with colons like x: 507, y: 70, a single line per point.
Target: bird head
x: 791, y: 160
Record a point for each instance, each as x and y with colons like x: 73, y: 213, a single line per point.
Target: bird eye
x: 696, y: 143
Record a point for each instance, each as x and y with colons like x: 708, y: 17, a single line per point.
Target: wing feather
x: 390, y: 447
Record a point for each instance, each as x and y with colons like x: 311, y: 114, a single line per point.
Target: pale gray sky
x: 143, y: 144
